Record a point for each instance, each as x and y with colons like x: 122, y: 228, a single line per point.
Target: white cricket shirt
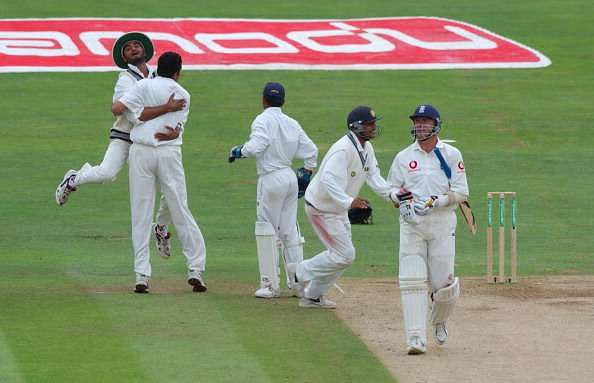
x: 420, y: 172
x: 276, y: 139
x: 126, y: 81
x: 344, y: 169
x: 155, y: 92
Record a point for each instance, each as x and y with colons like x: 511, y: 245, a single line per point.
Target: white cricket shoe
x: 416, y: 346
x: 66, y: 187
x: 440, y: 332
x: 162, y: 242
x: 266, y: 292
x: 142, y: 283
x: 195, y: 280
x: 317, y: 303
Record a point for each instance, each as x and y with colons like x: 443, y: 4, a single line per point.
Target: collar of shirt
x: 416, y: 145
x: 151, y: 70
x: 273, y: 109
x: 359, y: 147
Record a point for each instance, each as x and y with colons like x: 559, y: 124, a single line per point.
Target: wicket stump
x: 501, y: 277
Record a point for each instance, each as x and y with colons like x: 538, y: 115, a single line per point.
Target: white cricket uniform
x: 154, y: 161
x: 116, y: 155
x: 427, y: 247
x: 344, y: 170
x: 434, y: 237
x: 275, y: 141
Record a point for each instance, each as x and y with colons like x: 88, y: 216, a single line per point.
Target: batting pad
x: 444, y: 301
x: 413, y: 295
x: 267, y: 245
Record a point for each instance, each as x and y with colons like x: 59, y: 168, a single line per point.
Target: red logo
x: 461, y: 165
x: 413, y: 165
x: 75, y: 44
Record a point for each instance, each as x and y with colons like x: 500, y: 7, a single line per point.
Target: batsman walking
x: 432, y: 182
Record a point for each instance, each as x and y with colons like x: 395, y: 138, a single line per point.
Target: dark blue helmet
x: 426, y: 110
x: 429, y: 111
x: 358, y: 117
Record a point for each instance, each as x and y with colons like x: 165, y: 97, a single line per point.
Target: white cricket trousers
x: 428, y: 249
x: 114, y: 160
x: 147, y: 166
x: 276, y: 202
x: 322, y: 271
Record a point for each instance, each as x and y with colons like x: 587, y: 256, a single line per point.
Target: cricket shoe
x: 162, y: 242
x: 142, y: 283
x: 195, y: 280
x: 267, y: 292
x: 440, y: 332
x: 416, y: 346
x: 66, y: 187
x: 317, y: 303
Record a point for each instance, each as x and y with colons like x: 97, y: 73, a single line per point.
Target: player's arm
x: 306, y: 150
x: 172, y: 105
x: 378, y: 184
x: 257, y: 143
x: 259, y: 139
x: 334, y: 179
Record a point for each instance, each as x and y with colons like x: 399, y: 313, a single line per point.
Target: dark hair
x: 275, y: 102
x: 169, y: 63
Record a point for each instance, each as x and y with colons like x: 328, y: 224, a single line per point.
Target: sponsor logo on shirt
x: 84, y: 44
x: 413, y: 165
x: 460, y: 166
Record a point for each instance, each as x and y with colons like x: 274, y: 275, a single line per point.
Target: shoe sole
x: 197, y: 286
x: 161, y: 249
x: 141, y: 289
x: 313, y: 306
x: 415, y: 351
x: 65, y: 179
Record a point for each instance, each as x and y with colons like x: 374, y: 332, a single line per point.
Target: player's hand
x: 407, y: 210
x: 423, y: 207
x: 174, y: 105
x: 235, y: 153
x: 359, y: 203
x: 171, y: 134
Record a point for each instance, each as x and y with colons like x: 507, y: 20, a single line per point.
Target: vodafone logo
x: 461, y: 165
x: 84, y: 44
x: 413, y: 165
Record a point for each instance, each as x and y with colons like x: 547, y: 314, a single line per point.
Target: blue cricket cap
x: 274, y: 93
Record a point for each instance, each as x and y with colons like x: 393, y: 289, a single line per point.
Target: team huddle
x: 426, y: 181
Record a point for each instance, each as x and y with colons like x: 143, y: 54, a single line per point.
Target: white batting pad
x: 413, y: 294
x: 444, y: 301
x: 267, y: 244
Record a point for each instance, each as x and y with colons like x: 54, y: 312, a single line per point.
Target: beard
x: 137, y: 60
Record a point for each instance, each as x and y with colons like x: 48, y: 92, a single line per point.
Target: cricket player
x: 154, y: 160
x: 432, y: 181
x: 275, y: 141
x: 131, y: 52
x: 349, y: 163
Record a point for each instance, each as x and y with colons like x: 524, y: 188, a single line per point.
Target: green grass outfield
x: 67, y: 313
